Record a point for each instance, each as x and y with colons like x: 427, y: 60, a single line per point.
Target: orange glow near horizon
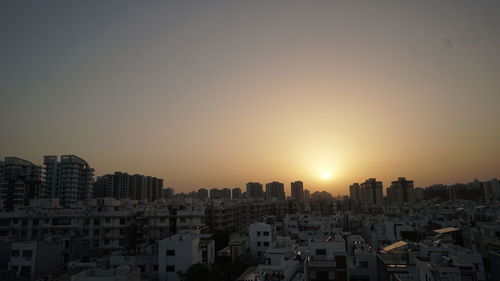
x: 218, y: 95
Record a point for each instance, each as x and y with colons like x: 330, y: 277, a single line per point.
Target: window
x: 170, y: 268
x: 170, y: 252
x: 155, y: 267
x: 321, y: 252
x: 258, y: 233
x: 265, y: 233
x: 266, y: 244
x: 15, y: 253
x: 322, y: 275
x: 259, y: 244
x: 27, y: 253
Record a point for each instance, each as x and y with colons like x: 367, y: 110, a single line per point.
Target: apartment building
x: 70, y: 179
x: 124, y: 186
x: 261, y: 237
x: 326, y: 260
x: 177, y: 253
x: 401, y: 191
x: 20, y: 181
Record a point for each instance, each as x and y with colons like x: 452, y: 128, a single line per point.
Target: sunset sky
x: 219, y: 93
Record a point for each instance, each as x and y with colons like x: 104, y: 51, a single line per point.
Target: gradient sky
x: 216, y: 94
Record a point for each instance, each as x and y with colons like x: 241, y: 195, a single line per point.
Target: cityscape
x: 58, y: 222
x: 257, y: 140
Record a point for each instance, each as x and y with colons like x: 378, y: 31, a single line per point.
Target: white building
x: 179, y: 252
x: 326, y: 260
x: 35, y: 258
x: 261, y: 238
x: 70, y: 179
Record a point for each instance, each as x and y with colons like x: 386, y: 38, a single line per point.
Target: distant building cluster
x: 70, y: 179
x: 59, y: 222
x: 124, y: 186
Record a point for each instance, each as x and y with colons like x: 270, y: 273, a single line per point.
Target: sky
x: 220, y: 93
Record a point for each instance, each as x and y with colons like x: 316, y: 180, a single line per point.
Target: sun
x: 326, y: 175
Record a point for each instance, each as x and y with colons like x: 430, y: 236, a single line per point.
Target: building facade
x: 297, y: 190
x: 20, y: 181
x: 70, y: 179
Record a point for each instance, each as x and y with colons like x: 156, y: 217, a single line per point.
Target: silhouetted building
x: 436, y: 191
x: 355, y: 193
x: 70, y: 179
x: 236, y: 193
x: 297, y: 190
x: 307, y: 194
x: 401, y: 191
x: 168, y: 192
x: 226, y: 193
x: 20, y: 181
x: 275, y: 190
x: 372, y: 192
x: 216, y: 193
x: 254, y: 190
x: 124, y: 186
x: 491, y: 190
x: 202, y: 193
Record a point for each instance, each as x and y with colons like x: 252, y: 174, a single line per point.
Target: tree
x: 133, y: 237
x: 198, y: 272
x: 221, y: 238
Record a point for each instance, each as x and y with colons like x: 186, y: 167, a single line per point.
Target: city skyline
x: 288, y: 184
x: 221, y: 94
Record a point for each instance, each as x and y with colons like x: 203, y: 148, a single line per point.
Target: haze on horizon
x: 218, y: 94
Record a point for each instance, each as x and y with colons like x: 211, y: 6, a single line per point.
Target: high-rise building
x: 70, y: 179
x: 401, y: 191
x: 297, y: 190
x: 168, y: 192
x: 355, y: 193
x: 226, y: 193
x: 202, y: 193
x: 254, y: 190
x: 236, y: 193
x: 1, y: 169
x: 103, y: 186
x: 124, y: 186
x: 307, y: 194
x: 372, y: 192
x: 491, y: 190
x: 275, y: 190
x: 223, y: 193
x: 20, y: 181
